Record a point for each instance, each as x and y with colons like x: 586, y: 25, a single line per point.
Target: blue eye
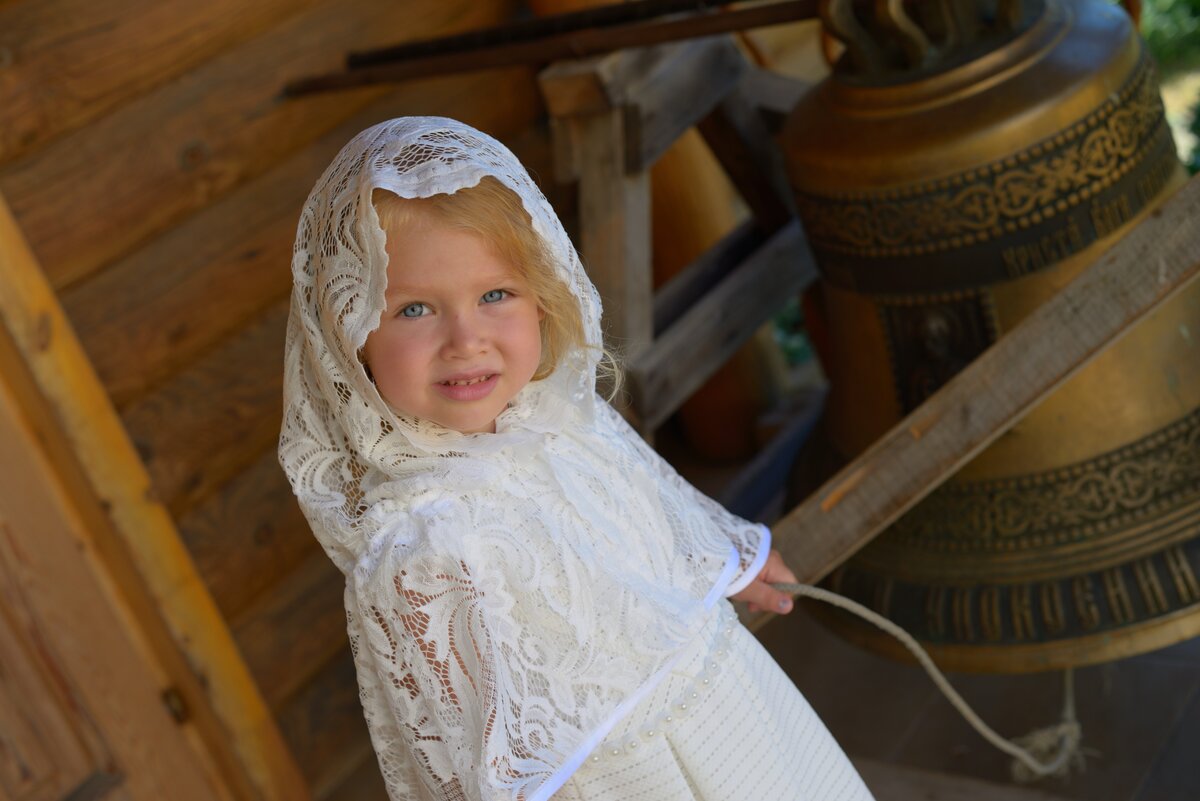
x: 414, y: 310
x: 494, y: 296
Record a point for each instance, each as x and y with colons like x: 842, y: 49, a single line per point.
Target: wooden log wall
x: 157, y: 174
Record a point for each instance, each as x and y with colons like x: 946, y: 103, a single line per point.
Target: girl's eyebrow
x: 489, y: 279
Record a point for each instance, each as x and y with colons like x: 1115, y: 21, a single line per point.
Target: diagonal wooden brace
x: 1149, y: 265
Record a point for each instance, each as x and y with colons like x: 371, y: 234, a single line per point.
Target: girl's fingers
x: 759, y: 595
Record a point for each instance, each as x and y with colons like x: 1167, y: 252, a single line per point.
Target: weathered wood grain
x: 324, y: 726
x: 289, y: 632
x: 739, y: 139
x: 83, y: 667
x: 135, y: 534
x: 212, y: 420
x: 145, y: 317
x: 94, y: 195
x: 614, y: 211
x: 247, y: 535
x: 676, y: 296
x: 664, y: 90
x: 688, y: 352
x: 1150, y: 264
x: 679, y: 89
x: 364, y: 784
x: 67, y: 62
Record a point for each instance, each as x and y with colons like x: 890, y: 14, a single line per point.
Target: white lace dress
x: 726, y: 723
x: 515, y: 598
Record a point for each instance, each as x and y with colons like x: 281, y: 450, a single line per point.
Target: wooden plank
x: 762, y: 480
x: 365, y: 784
x: 683, y: 86
x: 62, y: 70
x: 212, y: 420
x: 568, y: 45
x: 739, y: 138
x: 135, y: 534
x: 46, y: 747
x: 175, y: 150
x: 154, y: 311
x: 288, y: 633
x: 665, y: 89
x: 677, y: 295
x: 902, y: 783
x: 326, y: 731
x: 772, y: 93
x: 614, y: 212
x: 703, y: 339
x: 1150, y: 264
x: 247, y: 535
x: 85, y: 645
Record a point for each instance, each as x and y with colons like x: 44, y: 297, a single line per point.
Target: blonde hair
x: 494, y: 212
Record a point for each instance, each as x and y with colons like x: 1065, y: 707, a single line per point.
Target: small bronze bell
x: 962, y: 164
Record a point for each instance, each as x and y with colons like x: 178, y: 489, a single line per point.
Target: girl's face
x: 459, y: 336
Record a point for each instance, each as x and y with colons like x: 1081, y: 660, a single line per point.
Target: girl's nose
x: 465, y: 336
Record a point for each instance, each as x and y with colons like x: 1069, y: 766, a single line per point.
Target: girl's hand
x: 760, y: 595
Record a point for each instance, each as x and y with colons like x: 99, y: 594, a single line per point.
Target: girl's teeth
x: 468, y: 383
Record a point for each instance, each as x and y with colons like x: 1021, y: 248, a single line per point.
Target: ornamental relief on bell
x: 1004, y: 196
x: 1117, y: 490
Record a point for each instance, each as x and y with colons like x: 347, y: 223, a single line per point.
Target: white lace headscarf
x: 511, y: 595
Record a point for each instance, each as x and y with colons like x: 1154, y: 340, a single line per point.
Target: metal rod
x: 526, y: 30
x: 577, y: 44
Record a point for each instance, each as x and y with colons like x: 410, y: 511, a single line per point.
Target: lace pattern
x: 506, y: 592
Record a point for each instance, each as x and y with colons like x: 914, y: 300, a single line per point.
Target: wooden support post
x: 614, y: 210
x: 738, y: 136
x: 708, y: 334
x: 1150, y: 264
x: 612, y: 118
x: 137, y: 538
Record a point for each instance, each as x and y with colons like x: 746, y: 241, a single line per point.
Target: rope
x: 1034, y: 754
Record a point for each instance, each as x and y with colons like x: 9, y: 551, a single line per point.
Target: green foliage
x: 1172, y: 30
x: 790, y: 334
x: 1193, y: 161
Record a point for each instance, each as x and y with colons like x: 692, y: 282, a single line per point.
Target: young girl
x: 536, y: 601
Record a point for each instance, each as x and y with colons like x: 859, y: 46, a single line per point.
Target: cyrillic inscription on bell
x: 962, y: 164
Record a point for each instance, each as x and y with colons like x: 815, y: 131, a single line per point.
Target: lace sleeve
x: 395, y: 762
x: 426, y: 675
x: 752, y: 540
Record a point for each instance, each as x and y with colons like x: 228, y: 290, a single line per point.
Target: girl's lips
x: 468, y: 389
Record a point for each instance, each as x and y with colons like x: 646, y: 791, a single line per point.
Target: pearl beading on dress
x: 684, y: 703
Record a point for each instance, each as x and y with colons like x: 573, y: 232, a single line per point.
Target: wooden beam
x: 758, y: 483
x: 212, y: 420
x: 164, y: 155
x: 199, y: 645
x: 772, y: 93
x: 324, y: 726
x: 1150, y: 264
x: 575, y: 44
x: 62, y: 70
x: 678, y: 295
x: 81, y: 696
x: 294, y: 628
x: 247, y: 535
x: 708, y: 334
x: 147, y: 316
x: 665, y: 89
x: 738, y: 136
x: 680, y: 89
x: 614, y: 211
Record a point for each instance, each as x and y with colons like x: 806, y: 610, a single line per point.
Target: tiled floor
x: 1140, y: 716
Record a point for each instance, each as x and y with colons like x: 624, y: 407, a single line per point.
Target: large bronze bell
x: 966, y: 160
